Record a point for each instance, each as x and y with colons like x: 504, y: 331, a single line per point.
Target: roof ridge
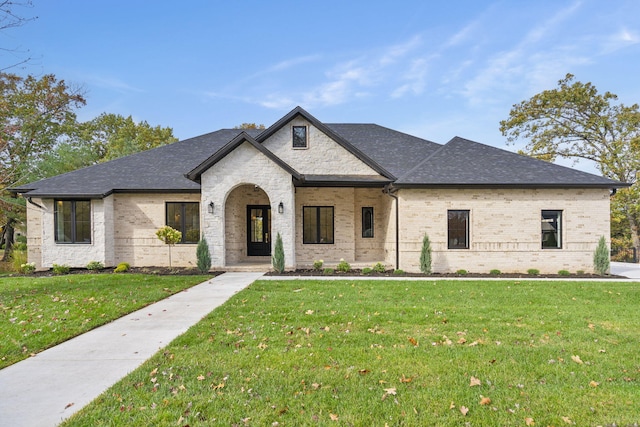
x: 422, y: 162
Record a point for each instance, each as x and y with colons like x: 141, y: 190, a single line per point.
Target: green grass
x: 375, y: 353
x: 37, y: 313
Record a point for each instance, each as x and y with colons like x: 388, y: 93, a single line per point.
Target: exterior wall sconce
x: 210, y: 207
x: 280, y: 208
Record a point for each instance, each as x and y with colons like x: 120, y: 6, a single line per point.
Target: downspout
x: 34, y: 203
x: 389, y: 191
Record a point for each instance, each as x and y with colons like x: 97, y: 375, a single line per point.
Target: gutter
x: 30, y: 200
x: 389, y: 191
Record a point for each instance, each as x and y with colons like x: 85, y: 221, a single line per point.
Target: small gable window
x: 72, y: 221
x: 185, y: 217
x: 299, y: 137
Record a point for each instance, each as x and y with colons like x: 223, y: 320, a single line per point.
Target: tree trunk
x: 8, y: 239
x: 635, y: 239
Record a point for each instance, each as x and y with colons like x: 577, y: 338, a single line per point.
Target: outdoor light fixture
x: 280, y: 208
x: 211, y: 207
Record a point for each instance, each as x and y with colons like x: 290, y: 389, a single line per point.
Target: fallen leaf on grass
x: 389, y: 392
x: 474, y: 382
x: 69, y: 405
x: 413, y: 341
x: 464, y: 410
x: 405, y: 379
x: 567, y: 420
x: 594, y: 384
x: 485, y: 401
x: 201, y: 377
x: 333, y: 417
x: 577, y: 359
x: 529, y: 421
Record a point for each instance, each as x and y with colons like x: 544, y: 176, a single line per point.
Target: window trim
x: 372, y: 228
x: 293, y: 138
x: 183, y: 215
x: 467, y: 243
x: 74, y: 222
x: 318, y: 225
x: 559, y: 219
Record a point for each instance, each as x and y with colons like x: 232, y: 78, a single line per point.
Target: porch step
x: 258, y: 267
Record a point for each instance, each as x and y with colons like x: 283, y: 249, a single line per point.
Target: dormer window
x: 299, y: 137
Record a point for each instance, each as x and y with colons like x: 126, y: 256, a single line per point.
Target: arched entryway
x: 247, y: 226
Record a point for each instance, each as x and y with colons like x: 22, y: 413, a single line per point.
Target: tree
x: 278, y: 255
x: 576, y: 122
x: 35, y: 114
x: 170, y: 236
x: 203, y: 256
x: 601, y: 257
x: 249, y: 126
x: 9, y: 18
x: 425, y: 256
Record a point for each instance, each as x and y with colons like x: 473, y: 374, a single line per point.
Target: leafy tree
x: 170, y: 236
x: 575, y: 121
x: 249, y: 126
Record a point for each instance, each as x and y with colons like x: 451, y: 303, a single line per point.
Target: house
x: 358, y: 192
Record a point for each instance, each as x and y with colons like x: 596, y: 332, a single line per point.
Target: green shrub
x: 328, y: 271
x: 495, y: 272
x: 170, y: 236
x: 28, y: 268
x: 18, y: 257
x: 19, y: 246
x: 367, y: 270
x: 343, y: 266
x: 21, y: 238
x: 278, y: 255
x: 379, y: 267
x: 462, y: 272
x: 425, y: 255
x: 203, y: 256
x: 317, y: 265
x: 398, y: 272
x: 563, y: 273
x: 60, y: 269
x: 601, y: 257
x: 533, y: 272
x: 95, y: 265
x: 123, y: 267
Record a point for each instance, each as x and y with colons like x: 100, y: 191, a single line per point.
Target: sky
x: 433, y: 69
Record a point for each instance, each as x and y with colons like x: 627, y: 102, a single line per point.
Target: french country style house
x: 359, y: 192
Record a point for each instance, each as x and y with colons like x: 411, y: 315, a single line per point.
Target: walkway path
x: 46, y: 389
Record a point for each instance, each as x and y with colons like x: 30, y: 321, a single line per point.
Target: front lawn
x: 37, y: 313
x: 376, y: 353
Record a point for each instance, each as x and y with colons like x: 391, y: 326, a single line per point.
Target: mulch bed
x: 160, y: 271
x: 389, y: 273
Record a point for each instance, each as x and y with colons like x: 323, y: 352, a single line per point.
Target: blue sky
x: 434, y: 69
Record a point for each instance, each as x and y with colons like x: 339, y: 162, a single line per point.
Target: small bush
x: 19, y: 246
x: 601, y: 257
x: 425, y: 255
x: 328, y: 271
x: 563, y: 273
x: 398, y: 272
x: 343, y: 266
x: 95, y: 265
x: 203, y: 257
x: 462, y: 272
x: 317, y: 265
x: 18, y: 258
x: 367, y: 270
x: 379, y: 268
x: 60, y: 269
x: 123, y: 267
x: 533, y: 272
x: 28, y: 268
x: 21, y: 238
x: 278, y: 255
x: 495, y: 272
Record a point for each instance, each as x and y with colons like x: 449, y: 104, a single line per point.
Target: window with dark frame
x: 72, y: 220
x: 458, y: 229
x: 299, y: 137
x: 367, y: 222
x: 551, y: 229
x: 184, y: 217
x: 317, y: 224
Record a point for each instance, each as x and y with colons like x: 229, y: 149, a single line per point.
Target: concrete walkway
x: 632, y: 271
x: 44, y: 390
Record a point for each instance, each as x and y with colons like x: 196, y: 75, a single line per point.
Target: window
x: 317, y: 224
x: 72, y: 221
x: 299, y: 137
x: 367, y: 222
x: 458, y: 229
x: 551, y: 229
x: 185, y: 217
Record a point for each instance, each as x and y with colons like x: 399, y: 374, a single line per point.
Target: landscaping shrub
x: 18, y: 257
x: 462, y: 272
x: 278, y: 255
x: 533, y: 272
x: 343, y: 266
x: 495, y: 272
x: 425, y: 255
x: 398, y: 272
x: 367, y: 270
x: 563, y: 273
x: 601, y: 257
x: 317, y: 265
x: 328, y: 271
x: 123, y: 267
x: 203, y: 256
x: 28, y: 268
x: 379, y: 268
x: 95, y: 265
x: 170, y: 236
x: 60, y: 269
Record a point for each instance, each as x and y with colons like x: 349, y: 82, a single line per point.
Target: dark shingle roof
x: 463, y: 162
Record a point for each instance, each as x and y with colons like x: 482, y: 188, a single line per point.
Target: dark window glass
x: 551, y: 229
x: 458, y: 229
x: 72, y: 221
x: 367, y: 222
x: 317, y: 224
x: 299, y: 137
x: 185, y: 217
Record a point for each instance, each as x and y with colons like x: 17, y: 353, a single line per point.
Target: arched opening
x: 247, y: 226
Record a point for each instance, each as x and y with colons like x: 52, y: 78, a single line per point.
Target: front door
x: 258, y: 230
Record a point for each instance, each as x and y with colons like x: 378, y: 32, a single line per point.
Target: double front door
x: 259, y: 230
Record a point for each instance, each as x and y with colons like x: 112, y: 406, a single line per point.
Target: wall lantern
x: 280, y: 208
x: 210, y: 208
